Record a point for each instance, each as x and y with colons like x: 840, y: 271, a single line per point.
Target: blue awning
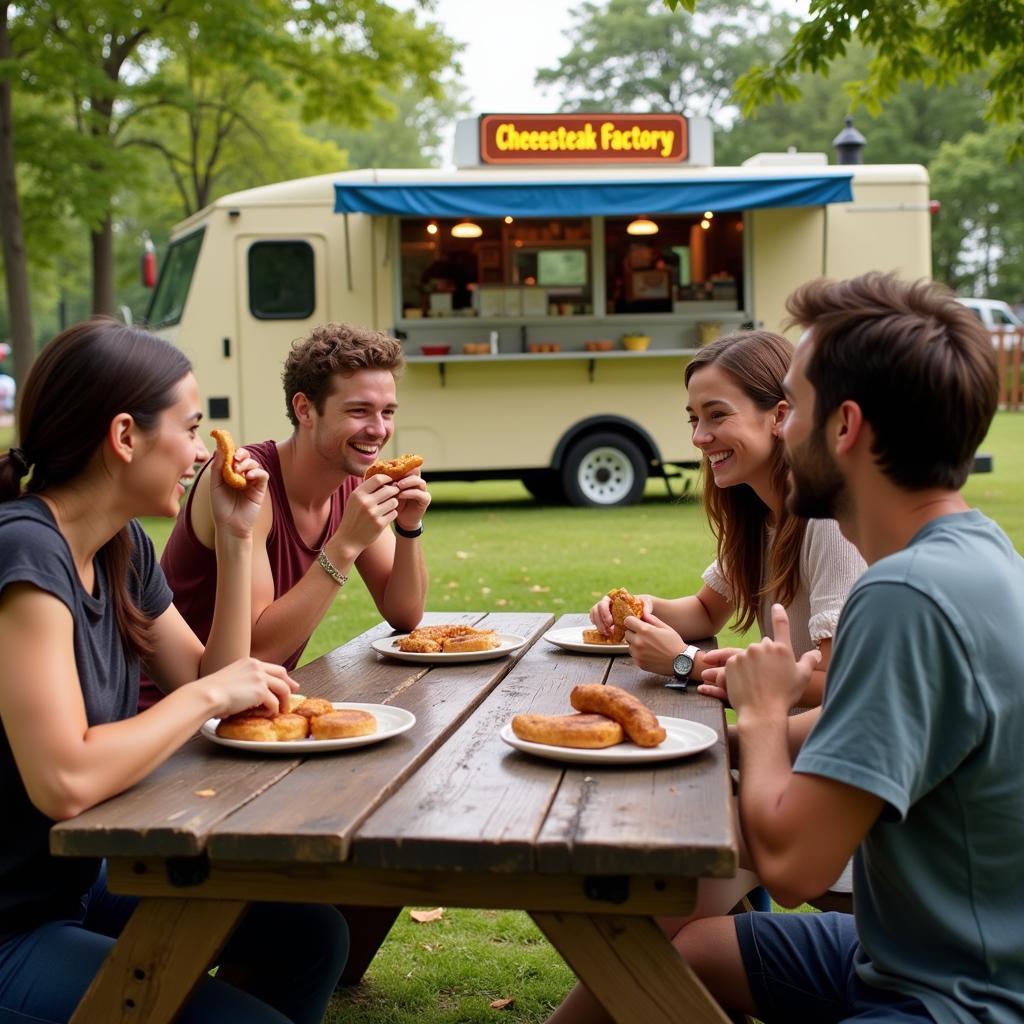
x: 589, y: 199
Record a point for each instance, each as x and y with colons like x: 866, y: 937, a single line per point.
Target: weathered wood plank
x: 347, y: 884
x: 311, y: 814
x: 631, y: 968
x: 163, y: 815
x: 161, y: 954
x: 477, y: 804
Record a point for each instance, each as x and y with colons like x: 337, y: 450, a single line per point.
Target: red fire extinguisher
x: 148, y: 262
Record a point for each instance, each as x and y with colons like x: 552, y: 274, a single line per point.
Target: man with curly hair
x: 322, y: 518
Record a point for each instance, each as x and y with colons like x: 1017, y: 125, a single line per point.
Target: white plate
x: 391, y: 721
x: 571, y: 639
x: 508, y: 642
x: 684, y: 738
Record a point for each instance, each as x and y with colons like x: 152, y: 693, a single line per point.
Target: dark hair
x: 757, y: 361
x: 918, y: 363
x: 335, y: 348
x: 81, y: 380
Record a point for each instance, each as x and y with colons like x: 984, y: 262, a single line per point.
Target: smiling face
x: 737, y: 438
x: 357, y: 421
x: 174, y: 448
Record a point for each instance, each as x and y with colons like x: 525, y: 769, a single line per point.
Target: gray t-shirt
x: 35, y: 887
x: 925, y: 709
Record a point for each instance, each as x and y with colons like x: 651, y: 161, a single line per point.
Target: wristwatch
x: 682, y: 664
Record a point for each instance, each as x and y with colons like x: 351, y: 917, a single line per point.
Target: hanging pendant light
x: 467, y: 229
x: 641, y: 226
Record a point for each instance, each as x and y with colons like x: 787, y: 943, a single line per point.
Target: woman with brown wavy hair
x: 765, y: 554
x: 109, y: 420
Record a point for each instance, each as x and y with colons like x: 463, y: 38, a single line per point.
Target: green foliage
x: 978, y: 236
x: 934, y: 42
x: 635, y: 55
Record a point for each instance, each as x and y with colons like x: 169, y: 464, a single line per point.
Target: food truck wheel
x: 604, y: 469
x: 545, y: 485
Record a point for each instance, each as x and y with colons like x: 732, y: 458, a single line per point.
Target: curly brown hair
x: 335, y: 348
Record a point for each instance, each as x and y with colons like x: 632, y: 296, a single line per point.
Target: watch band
x: 408, y: 534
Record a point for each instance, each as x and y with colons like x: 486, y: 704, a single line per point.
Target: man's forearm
x: 405, y: 593
x: 766, y: 771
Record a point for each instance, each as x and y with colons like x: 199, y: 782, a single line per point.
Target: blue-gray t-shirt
x: 35, y: 887
x: 925, y: 709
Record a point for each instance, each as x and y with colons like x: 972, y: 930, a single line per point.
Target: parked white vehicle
x: 996, y: 316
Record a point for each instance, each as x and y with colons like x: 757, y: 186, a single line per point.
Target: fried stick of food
x: 592, y: 732
x: 623, y: 604
x: 227, y: 448
x: 395, y: 468
x: 481, y: 640
x: 418, y: 644
x: 638, y: 722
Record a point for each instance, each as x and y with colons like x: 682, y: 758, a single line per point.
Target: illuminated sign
x: 583, y: 138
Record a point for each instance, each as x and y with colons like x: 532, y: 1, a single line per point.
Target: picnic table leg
x: 163, y: 951
x: 631, y: 968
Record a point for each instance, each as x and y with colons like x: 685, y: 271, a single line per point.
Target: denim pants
x: 294, y: 954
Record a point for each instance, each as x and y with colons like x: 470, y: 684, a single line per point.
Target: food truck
x: 548, y: 291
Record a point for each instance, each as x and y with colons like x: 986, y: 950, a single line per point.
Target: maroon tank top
x: 191, y: 567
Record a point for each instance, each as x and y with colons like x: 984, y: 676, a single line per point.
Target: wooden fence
x: 1009, y: 350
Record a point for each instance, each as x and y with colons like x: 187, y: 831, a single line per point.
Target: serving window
x: 675, y: 261
x: 493, y: 267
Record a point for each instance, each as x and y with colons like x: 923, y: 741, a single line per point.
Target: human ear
x: 849, y: 426
x: 781, y: 412
x: 123, y: 437
x: 302, y: 407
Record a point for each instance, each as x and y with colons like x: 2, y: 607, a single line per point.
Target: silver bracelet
x: 331, y: 569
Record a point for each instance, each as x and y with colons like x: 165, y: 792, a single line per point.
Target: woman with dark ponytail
x: 109, y: 428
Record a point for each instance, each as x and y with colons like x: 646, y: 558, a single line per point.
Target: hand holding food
x: 395, y: 468
x: 227, y: 449
x: 623, y: 604
x: 653, y: 644
x: 309, y: 717
x: 637, y: 720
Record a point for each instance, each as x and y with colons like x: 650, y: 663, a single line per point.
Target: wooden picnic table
x: 444, y: 814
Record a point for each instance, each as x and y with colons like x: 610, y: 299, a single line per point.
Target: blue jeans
x: 293, y: 952
x: 800, y: 971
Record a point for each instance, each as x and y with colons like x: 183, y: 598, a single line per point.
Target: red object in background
x: 148, y: 264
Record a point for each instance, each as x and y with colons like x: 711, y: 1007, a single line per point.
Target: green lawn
x: 490, y: 546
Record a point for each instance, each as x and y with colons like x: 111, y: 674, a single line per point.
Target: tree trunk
x: 15, y: 259
x: 103, y: 267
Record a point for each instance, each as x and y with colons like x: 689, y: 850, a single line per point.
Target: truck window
x: 168, y: 302
x: 281, y: 282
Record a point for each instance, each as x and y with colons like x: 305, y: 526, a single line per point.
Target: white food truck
x: 548, y: 291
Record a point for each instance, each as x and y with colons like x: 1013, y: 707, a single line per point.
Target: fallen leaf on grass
x: 426, y: 916
x: 500, y: 1004
x: 205, y: 792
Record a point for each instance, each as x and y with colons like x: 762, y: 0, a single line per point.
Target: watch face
x: 682, y: 664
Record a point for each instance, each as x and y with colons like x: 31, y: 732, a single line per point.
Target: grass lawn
x: 490, y: 546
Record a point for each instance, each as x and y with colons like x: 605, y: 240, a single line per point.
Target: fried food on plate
x: 595, y: 636
x: 290, y: 727
x: 310, y: 707
x: 592, y: 732
x: 637, y: 720
x: 247, y: 727
x: 623, y: 604
x: 395, y: 468
x: 447, y: 639
x: 228, y: 448
x: 483, y: 640
x: 342, y: 724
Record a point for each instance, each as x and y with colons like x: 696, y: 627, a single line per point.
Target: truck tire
x: 604, y: 470
x: 545, y: 485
